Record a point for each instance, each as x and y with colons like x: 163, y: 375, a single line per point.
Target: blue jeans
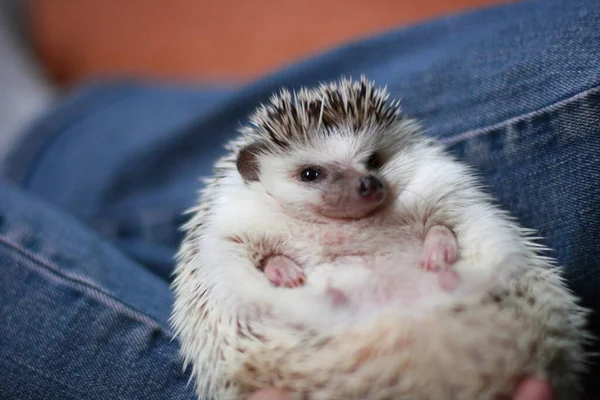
x: 91, y: 201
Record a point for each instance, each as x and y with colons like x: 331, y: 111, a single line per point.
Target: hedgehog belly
x: 363, y: 285
x: 387, y: 330
x: 361, y: 266
x: 474, y: 349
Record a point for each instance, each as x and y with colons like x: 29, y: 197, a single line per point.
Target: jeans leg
x: 101, y: 141
x: 79, y: 319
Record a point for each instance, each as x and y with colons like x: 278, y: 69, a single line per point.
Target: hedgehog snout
x: 370, y: 187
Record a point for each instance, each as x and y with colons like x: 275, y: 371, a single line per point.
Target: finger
x: 534, y: 389
x: 270, y: 394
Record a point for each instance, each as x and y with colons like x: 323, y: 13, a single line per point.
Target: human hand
x: 270, y: 394
x: 534, y: 389
x: 530, y: 389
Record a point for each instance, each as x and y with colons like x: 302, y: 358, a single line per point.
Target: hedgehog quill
x: 338, y: 252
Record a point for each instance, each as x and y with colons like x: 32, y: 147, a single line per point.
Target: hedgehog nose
x: 368, y: 185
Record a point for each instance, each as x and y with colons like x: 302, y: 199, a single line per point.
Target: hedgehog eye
x: 374, y: 162
x: 311, y: 174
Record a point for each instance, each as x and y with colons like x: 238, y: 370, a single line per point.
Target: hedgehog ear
x: 247, y: 161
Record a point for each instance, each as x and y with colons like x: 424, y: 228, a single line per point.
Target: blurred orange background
x: 206, y: 40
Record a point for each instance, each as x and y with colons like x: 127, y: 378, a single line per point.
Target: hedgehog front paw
x: 283, y: 272
x: 440, y: 252
x: 440, y: 249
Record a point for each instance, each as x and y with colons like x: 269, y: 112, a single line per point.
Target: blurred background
x: 47, y: 46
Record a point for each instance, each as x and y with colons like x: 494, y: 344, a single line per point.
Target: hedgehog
x: 338, y: 252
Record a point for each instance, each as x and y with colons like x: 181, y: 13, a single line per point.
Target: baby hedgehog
x: 341, y: 254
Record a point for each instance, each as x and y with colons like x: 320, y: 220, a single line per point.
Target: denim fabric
x: 79, y: 319
x: 142, y: 153
x: 513, y: 90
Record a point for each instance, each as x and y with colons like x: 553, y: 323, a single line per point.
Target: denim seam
x: 90, y: 287
x: 461, y: 137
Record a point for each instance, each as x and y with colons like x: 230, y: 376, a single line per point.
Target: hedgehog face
x: 321, y: 152
x: 334, y: 177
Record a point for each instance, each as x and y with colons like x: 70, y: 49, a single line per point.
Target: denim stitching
x: 461, y: 137
x: 89, y: 287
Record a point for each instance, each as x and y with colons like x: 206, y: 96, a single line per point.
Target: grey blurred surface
x: 13, y: 12
x: 24, y: 90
